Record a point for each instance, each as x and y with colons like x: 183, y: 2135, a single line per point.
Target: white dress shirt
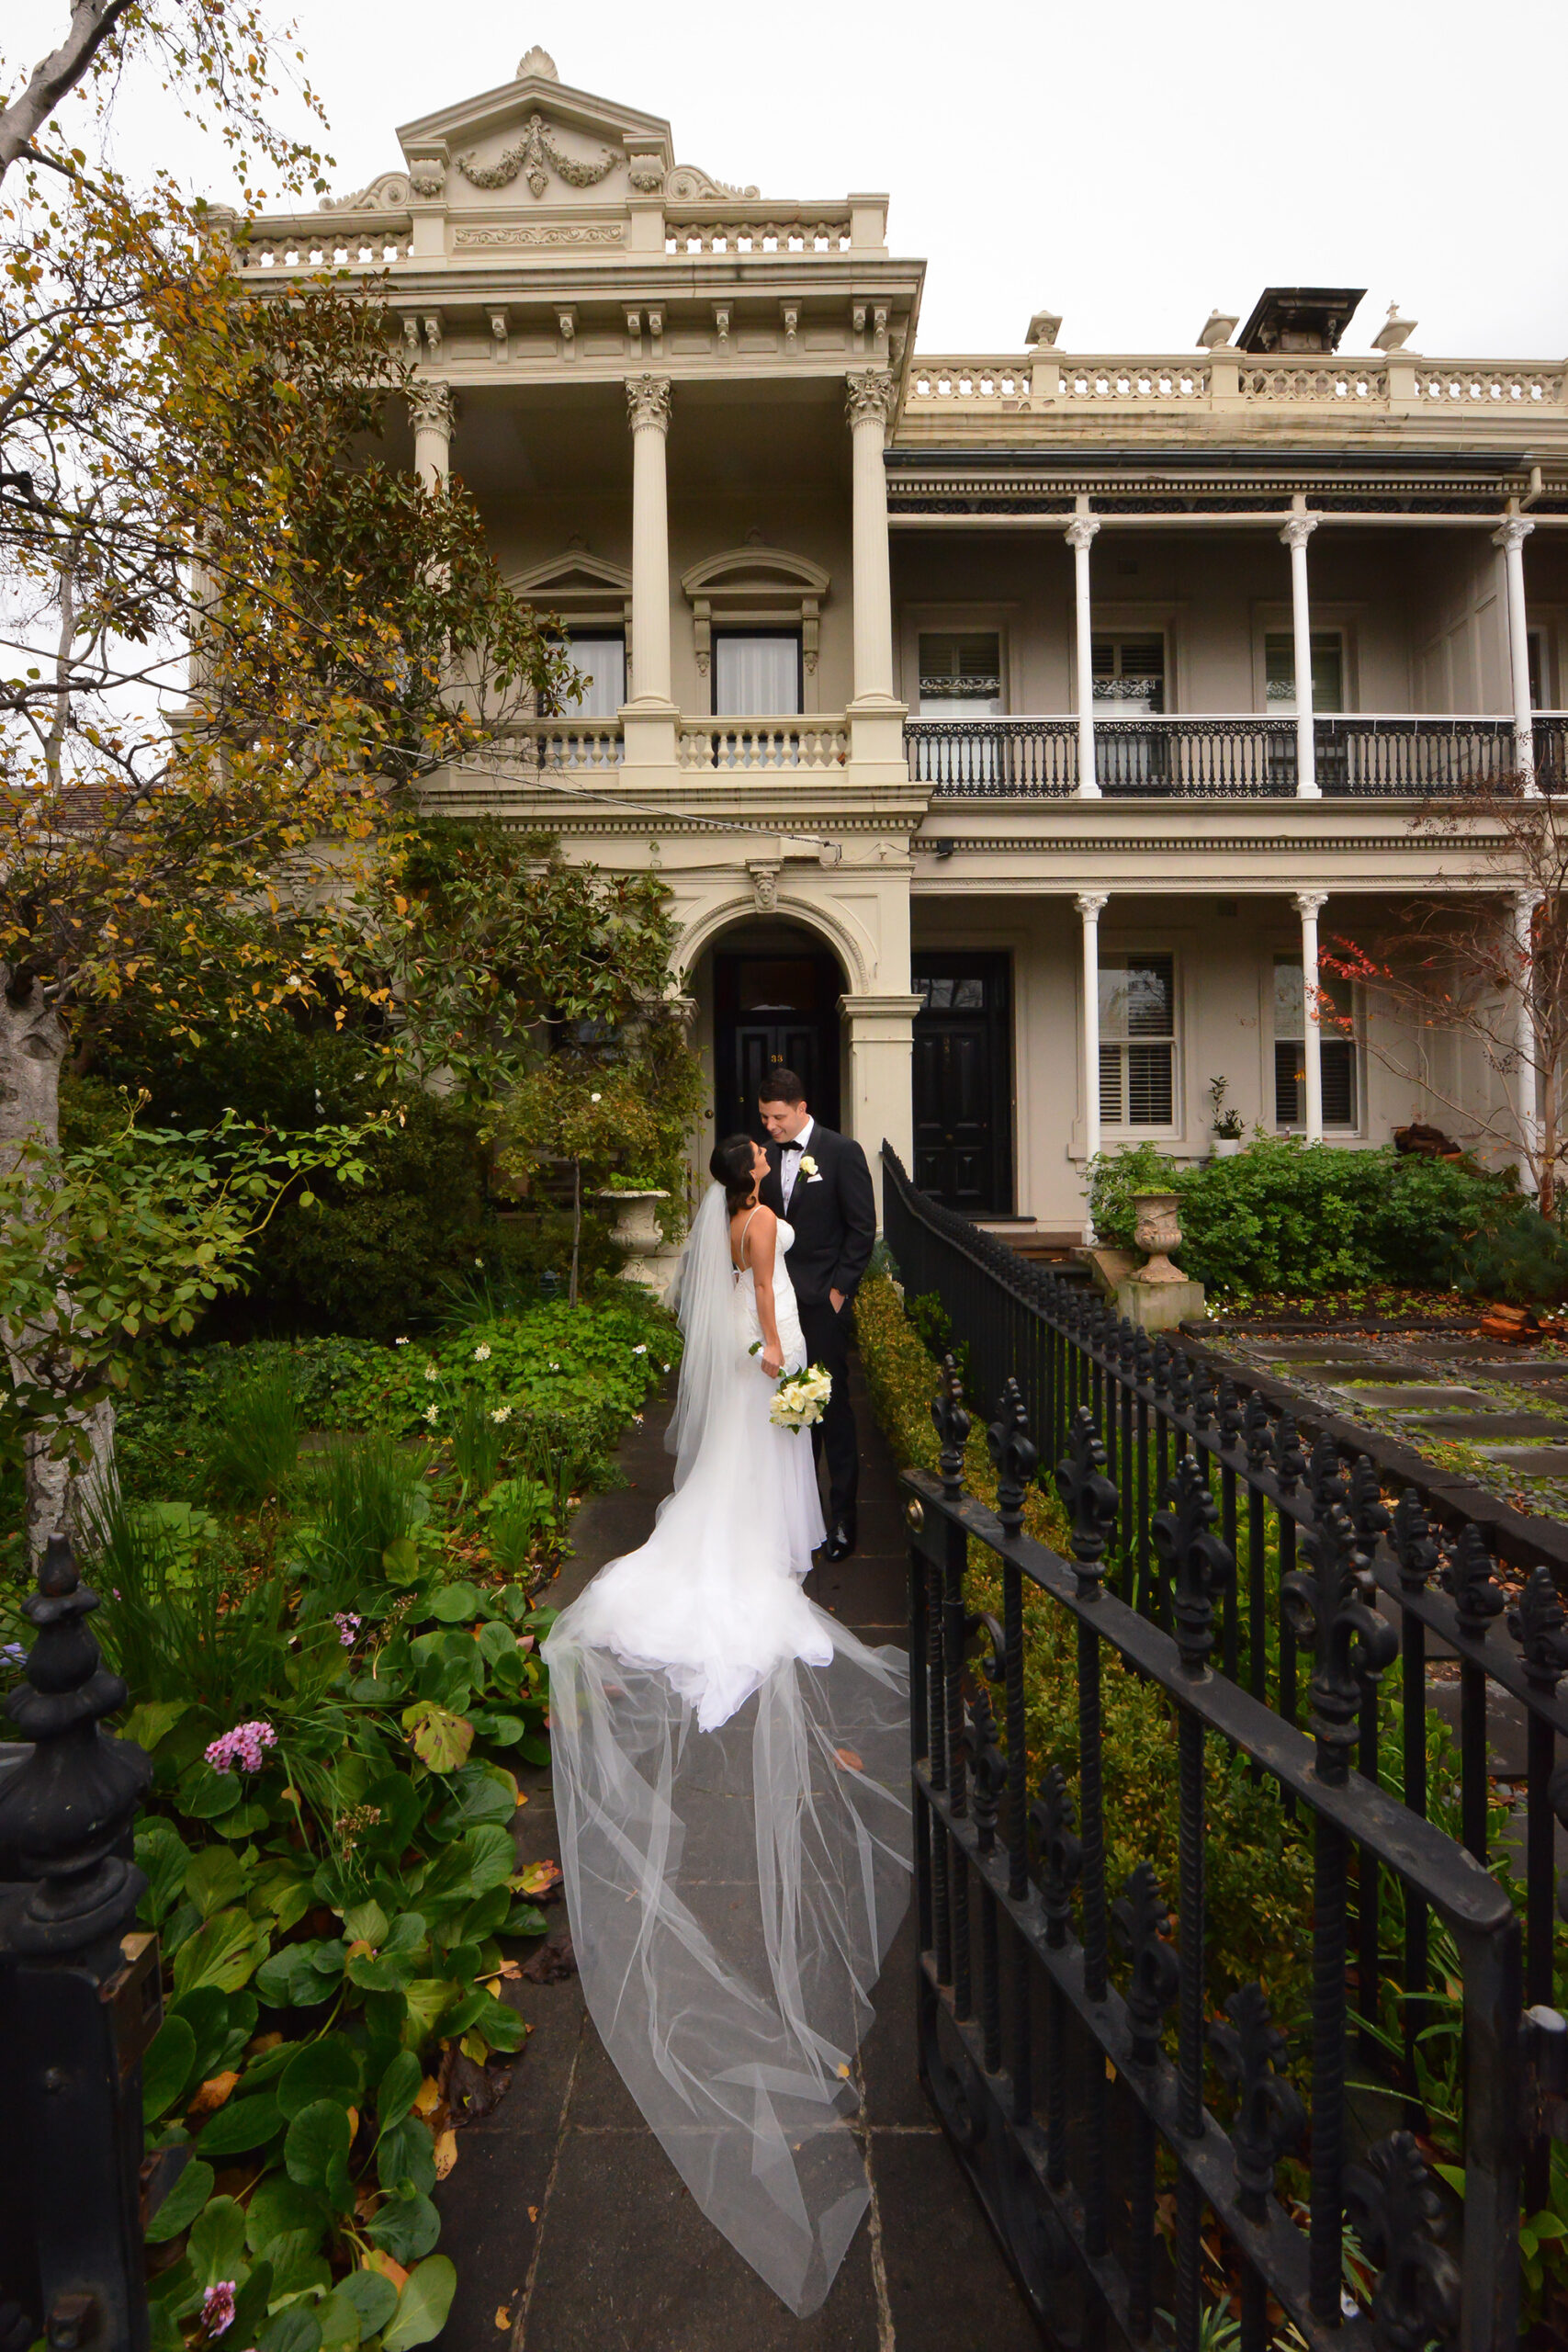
x: 789, y: 1164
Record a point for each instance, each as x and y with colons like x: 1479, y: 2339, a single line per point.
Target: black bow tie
x: 795, y: 1146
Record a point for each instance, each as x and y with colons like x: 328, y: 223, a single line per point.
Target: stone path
x: 1506, y: 1407
x: 572, y: 2231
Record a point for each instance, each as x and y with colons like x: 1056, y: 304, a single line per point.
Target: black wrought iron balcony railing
x: 1362, y: 756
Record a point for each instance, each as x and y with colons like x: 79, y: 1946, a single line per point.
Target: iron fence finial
x: 1054, y: 1823
x: 951, y: 1425
x: 1467, y: 1575
x: 1398, y: 2216
x: 1142, y: 1920
x: 1270, y: 2115
x: 1329, y: 1607
x: 1090, y: 1495
x: 1196, y: 1559
x: 1013, y: 1451
x: 1537, y: 1624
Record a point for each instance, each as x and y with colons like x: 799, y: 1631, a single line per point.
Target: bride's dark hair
x: 731, y: 1167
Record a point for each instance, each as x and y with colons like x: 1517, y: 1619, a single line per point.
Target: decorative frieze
x: 534, y: 233
x: 536, y: 155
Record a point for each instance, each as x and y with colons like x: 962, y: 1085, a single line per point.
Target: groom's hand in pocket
x: 836, y: 1299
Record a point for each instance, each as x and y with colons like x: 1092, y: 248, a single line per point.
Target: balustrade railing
x: 1244, y: 758
x: 1239, y: 1575
x: 961, y: 382
x: 765, y: 743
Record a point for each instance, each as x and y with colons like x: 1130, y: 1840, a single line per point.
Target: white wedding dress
x: 730, y: 1770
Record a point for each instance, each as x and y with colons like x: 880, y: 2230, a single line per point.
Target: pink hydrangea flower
x: 242, y: 1749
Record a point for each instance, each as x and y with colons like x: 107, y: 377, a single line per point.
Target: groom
x: 819, y: 1182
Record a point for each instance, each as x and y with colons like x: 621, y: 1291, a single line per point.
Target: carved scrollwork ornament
x: 1091, y: 1497
x: 1142, y: 1921
x: 1397, y: 2215
x: 536, y: 155
x: 1055, y: 1825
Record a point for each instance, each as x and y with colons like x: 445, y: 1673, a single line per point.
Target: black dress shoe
x: 840, y: 1539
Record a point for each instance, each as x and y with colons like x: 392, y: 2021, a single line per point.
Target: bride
x: 729, y: 1765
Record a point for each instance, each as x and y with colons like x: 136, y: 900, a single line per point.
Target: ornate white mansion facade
x: 1005, y: 726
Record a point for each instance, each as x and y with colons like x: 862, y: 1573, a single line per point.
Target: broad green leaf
x: 533, y: 1750
x: 500, y: 2025
x: 166, y: 2068
x: 162, y: 1854
x: 406, y: 2152
x: 216, y: 1877
x: 440, y: 1738
x: 374, y: 2298
x: 152, y: 1721
x: 406, y: 2225
x: 294, y: 2329
x: 526, y: 1919
x: 493, y: 1856
x: 204, y: 1794
x: 280, y: 2207
x: 406, y: 1934
x: 216, y: 2241
x: 222, y: 1952
x: 421, y: 2307
x: 389, y: 1973
x: 366, y: 1923
x: 215, y: 2017
x: 401, y: 1561
x: 427, y: 1997
x: 297, y: 2268
x: 176, y: 2288
x: 338, y: 2319
x: 241, y: 2125
x: 316, y: 2149
x: 182, y: 2203
x: 497, y: 1641
x: 398, y: 2088
x: 327, y: 2069
x: 456, y: 1604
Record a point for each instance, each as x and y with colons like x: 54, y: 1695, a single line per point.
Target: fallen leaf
x: 849, y: 1759
x: 536, y: 1879
x: 212, y: 2093
x: 262, y: 2044
x: 361, y: 1949
x: 502, y: 2316
x: 843, y: 2073
x: 522, y: 1796
x: 353, y: 2122
x: 532, y: 2212
x: 445, y: 2152
x: 380, y: 2259
x: 427, y: 2096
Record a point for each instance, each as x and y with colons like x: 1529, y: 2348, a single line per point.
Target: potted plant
x: 1224, y: 1123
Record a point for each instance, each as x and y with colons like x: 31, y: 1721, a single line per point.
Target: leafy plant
x: 1226, y: 1124
x: 477, y: 1443
x: 368, y: 1502
x: 255, y: 1444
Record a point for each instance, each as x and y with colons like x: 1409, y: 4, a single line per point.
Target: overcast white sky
x: 1131, y: 166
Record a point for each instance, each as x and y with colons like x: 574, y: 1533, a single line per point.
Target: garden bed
x: 334, y: 1665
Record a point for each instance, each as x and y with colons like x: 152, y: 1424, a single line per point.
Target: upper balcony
x: 1361, y: 757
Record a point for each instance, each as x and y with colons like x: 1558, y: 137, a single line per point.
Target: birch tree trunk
x: 32, y: 1047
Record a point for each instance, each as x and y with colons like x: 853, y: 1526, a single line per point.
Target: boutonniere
x: 807, y: 1164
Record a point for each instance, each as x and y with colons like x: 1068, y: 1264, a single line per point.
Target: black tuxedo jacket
x: 834, y: 1218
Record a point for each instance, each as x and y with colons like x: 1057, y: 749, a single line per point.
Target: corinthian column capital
x: 1298, y: 530
x: 647, y: 403
x: 1082, y: 532
x: 1514, y: 532
x: 433, y: 407
x: 871, y: 397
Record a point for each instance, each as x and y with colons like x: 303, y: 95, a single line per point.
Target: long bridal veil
x: 730, y: 1768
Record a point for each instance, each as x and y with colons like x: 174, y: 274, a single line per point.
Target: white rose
x: 807, y: 1164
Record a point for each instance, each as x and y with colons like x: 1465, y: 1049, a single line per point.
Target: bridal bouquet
x: 801, y: 1398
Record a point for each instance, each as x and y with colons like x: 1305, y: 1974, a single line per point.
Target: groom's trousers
x: 826, y: 1339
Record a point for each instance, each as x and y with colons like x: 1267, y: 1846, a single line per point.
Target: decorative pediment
x: 581, y: 587
x: 540, y: 141
x: 757, y: 587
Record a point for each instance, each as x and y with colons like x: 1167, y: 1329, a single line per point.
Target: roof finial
x: 539, y: 63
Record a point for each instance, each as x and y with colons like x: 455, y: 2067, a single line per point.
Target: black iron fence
x: 1251, y: 1582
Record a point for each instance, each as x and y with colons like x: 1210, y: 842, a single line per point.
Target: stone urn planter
x: 1157, y: 1230
x: 635, y: 1230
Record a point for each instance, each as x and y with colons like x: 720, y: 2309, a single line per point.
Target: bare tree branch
x: 55, y: 76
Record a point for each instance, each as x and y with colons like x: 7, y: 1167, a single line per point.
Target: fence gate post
x: 79, y: 1990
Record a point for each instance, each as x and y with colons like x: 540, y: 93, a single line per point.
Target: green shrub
x: 1286, y: 1215
x: 255, y: 1442
x: 1522, y: 1257
x: 367, y: 1501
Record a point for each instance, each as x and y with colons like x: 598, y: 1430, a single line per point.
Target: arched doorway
x: 775, y: 999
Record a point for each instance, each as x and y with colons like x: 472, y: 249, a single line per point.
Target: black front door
x: 962, y: 1082
x: 770, y: 1010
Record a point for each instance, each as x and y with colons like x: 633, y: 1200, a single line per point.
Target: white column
x: 1511, y: 540
x: 1309, y: 904
x: 882, y: 1052
x: 433, y: 412
x: 1089, y: 905
x: 1294, y: 535
x: 648, y: 411
x: 1523, y: 942
x: 870, y: 396
x: 1081, y: 533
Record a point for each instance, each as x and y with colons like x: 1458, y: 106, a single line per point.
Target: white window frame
x: 915, y: 621
x: 1112, y: 953
x: 1115, y: 617
x: 1275, y: 620
x: 1287, y: 951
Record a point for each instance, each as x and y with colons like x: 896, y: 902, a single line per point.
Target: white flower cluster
x: 801, y: 1398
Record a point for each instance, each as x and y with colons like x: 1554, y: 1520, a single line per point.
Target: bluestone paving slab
x: 1409, y: 1397
x: 1487, y: 1429
x: 1539, y: 1461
